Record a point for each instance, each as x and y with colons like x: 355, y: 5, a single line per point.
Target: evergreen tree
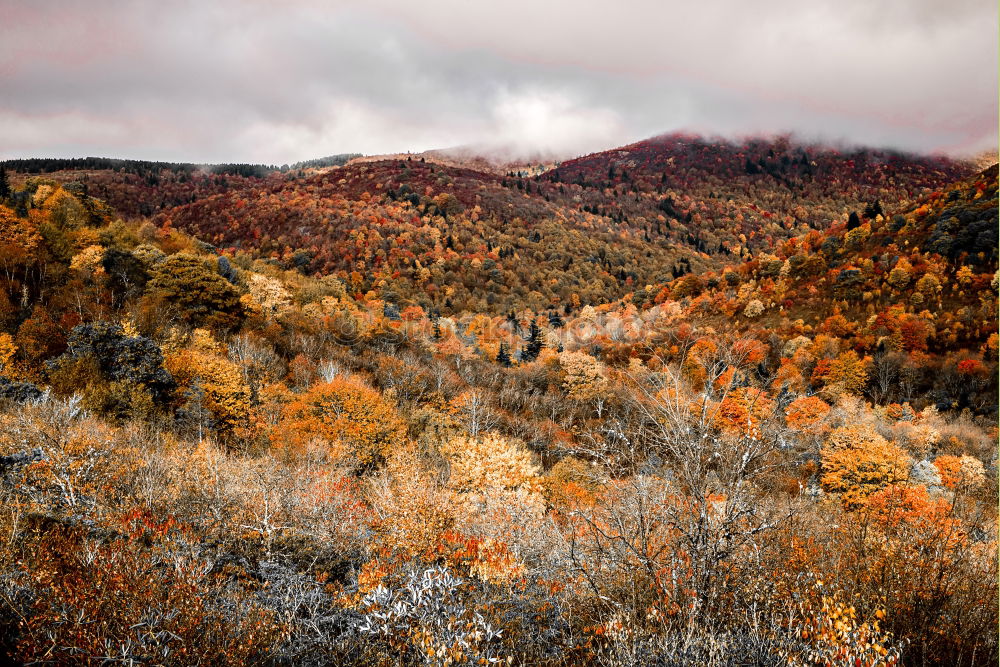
x: 534, y: 345
x: 503, y: 356
x: 872, y: 210
x: 4, y: 184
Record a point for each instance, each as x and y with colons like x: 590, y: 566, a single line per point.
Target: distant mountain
x: 723, y: 198
x: 466, y: 229
x: 491, y: 159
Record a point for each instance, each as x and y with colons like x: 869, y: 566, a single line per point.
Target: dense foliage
x: 401, y: 413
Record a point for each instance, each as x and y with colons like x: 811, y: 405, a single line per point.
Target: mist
x: 281, y: 82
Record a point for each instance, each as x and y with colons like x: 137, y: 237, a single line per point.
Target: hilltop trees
x: 5, y: 190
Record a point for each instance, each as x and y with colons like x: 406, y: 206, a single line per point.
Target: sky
x: 276, y: 82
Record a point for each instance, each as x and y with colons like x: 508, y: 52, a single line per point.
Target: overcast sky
x: 280, y: 81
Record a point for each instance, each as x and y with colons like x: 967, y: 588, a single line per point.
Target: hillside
x: 140, y: 188
x: 593, y: 228
x: 915, y: 287
x: 727, y: 198
x: 442, y: 237
x: 398, y: 412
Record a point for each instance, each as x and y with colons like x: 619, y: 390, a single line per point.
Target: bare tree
x: 884, y: 376
x: 673, y: 525
x: 479, y: 415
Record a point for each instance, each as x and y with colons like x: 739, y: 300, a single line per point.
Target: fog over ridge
x: 258, y: 81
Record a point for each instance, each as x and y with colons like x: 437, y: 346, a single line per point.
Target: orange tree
x: 857, y: 462
x: 916, y: 555
x: 349, y: 417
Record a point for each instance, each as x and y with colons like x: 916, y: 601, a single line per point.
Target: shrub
x: 350, y: 417
x: 857, y: 462
x: 754, y: 309
x: 960, y: 471
x: 490, y: 462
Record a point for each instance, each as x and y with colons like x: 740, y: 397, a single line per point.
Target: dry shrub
x: 97, y: 601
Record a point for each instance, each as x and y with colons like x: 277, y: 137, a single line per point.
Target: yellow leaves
x: 19, y: 239
x: 412, y: 511
x: 836, y: 633
x: 267, y: 294
x: 754, y: 309
x: 848, y: 373
x: 583, y: 375
x: 489, y: 462
x: 251, y: 306
x: 901, y: 273
x: 857, y: 236
x: 7, y: 350
x: 88, y: 260
x: 128, y: 328
x: 857, y: 462
x: 964, y: 275
x: 226, y: 394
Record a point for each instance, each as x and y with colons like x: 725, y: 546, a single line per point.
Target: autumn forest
x: 682, y: 402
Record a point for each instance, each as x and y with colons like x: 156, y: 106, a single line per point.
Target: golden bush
x: 857, y: 462
x: 223, y: 388
x: 351, y: 417
x: 490, y: 461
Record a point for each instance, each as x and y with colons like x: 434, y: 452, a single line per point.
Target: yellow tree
x: 584, y: 378
x: 211, y: 383
x: 857, y: 462
x: 7, y: 350
x: 848, y: 371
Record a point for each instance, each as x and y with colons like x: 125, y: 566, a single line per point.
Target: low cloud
x: 280, y: 82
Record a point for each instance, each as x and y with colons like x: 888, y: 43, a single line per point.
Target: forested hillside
x: 452, y: 239
x: 684, y: 402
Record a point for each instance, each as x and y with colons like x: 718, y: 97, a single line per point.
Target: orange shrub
x: 804, y: 413
x: 348, y: 416
x: 960, y: 471
x: 857, y: 462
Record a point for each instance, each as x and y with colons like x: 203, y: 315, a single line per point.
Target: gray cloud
x: 278, y: 82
